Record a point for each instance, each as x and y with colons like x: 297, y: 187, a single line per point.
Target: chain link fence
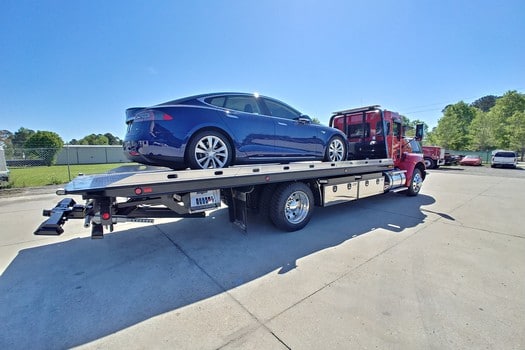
x: 74, y: 154
x: 27, y: 157
x: 33, y: 167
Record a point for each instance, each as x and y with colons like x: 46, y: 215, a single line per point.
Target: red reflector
x: 267, y: 178
x: 167, y: 117
x: 134, y: 153
x: 105, y: 216
x: 138, y: 191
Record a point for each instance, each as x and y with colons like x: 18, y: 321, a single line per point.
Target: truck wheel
x: 335, y: 150
x: 209, y: 149
x: 291, y: 206
x: 415, y: 183
x: 265, y: 199
x: 430, y: 163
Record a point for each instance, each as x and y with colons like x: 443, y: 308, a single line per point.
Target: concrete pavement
x: 443, y: 270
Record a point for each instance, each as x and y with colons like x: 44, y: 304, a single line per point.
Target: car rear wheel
x: 209, y: 149
x: 336, y: 150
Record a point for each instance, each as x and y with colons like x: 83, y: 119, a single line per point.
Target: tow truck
x: 380, y: 160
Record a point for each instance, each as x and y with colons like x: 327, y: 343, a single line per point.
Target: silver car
x: 504, y: 159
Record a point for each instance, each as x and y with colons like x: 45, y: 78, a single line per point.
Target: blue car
x: 217, y: 130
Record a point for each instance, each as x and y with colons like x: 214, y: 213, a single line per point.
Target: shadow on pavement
x: 67, y: 294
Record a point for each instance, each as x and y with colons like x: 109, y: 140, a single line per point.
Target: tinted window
x: 416, y: 148
x: 379, y: 129
x: 217, y: 101
x: 280, y: 110
x: 397, y: 129
x: 237, y: 103
x: 357, y: 131
x: 505, y: 154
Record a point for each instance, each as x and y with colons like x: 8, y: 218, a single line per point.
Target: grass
x: 54, y: 175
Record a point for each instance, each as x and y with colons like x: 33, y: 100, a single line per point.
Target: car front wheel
x: 209, y: 149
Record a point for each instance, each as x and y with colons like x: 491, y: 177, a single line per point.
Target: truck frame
x: 286, y: 194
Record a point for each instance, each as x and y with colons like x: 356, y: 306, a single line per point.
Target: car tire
x: 336, y: 150
x: 208, y: 150
x: 292, y: 206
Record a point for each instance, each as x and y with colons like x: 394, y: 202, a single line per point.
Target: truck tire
x: 291, y: 206
x: 430, y: 163
x: 265, y: 199
x: 415, y: 183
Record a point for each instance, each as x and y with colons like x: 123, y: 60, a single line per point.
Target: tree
x: 506, y: 106
x: 517, y: 131
x: 94, y: 140
x: 115, y: 140
x: 45, y: 145
x: 21, y: 136
x: 485, y: 103
x: 452, y: 131
x: 481, y: 132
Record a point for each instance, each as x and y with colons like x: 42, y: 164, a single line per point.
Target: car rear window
x: 505, y: 154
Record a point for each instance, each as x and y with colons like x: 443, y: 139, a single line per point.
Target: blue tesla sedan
x: 217, y: 130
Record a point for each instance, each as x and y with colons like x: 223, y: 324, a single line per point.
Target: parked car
x: 451, y: 159
x: 217, y: 130
x: 504, y: 159
x: 471, y: 160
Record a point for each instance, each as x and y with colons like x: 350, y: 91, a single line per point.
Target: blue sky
x: 74, y: 66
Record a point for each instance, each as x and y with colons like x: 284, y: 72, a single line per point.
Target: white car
x: 504, y: 158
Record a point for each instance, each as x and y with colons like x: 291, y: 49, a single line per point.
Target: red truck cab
x: 376, y: 133
x: 434, y: 156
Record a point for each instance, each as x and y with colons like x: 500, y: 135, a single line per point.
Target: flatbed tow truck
x: 381, y: 161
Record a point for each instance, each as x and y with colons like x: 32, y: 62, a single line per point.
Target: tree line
x: 27, y: 138
x: 29, y: 144
x: 489, y: 123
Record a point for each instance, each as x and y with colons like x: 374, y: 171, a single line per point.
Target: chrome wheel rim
x: 297, y: 207
x: 417, y: 182
x: 211, y: 152
x: 336, y: 150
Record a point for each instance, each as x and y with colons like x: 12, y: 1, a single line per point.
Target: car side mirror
x: 419, y: 132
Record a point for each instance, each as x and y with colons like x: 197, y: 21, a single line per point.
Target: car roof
x: 185, y: 100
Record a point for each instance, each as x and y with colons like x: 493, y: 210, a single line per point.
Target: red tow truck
x: 380, y: 160
x: 434, y: 156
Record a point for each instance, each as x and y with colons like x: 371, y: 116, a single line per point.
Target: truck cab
x: 376, y: 133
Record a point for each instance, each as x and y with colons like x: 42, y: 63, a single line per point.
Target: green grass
x: 54, y: 175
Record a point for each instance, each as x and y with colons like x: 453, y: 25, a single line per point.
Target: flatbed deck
x: 123, y: 182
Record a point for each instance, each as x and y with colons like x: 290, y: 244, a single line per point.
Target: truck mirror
x: 419, y: 132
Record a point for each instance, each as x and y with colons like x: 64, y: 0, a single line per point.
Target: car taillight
x: 167, y: 117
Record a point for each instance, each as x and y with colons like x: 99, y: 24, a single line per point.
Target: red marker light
x: 138, y: 191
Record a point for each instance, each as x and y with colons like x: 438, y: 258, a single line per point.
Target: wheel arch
x: 216, y: 129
